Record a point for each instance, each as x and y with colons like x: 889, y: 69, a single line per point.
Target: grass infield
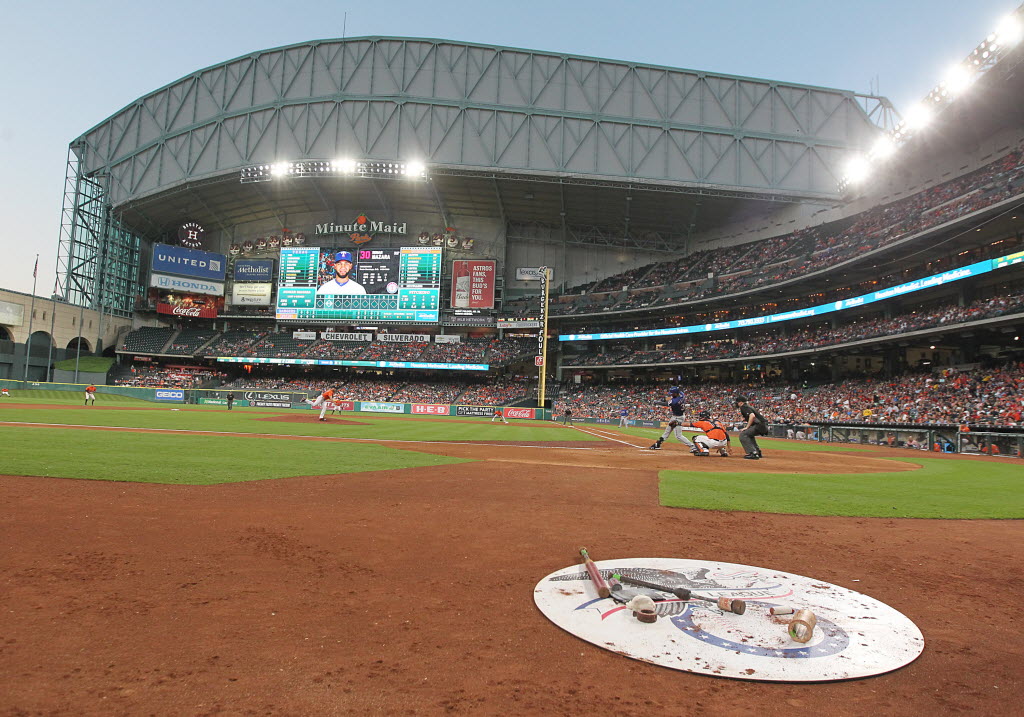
x: 940, y: 489
x: 189, y: 459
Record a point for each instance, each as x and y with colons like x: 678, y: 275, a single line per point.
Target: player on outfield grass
x: 90, y: 394
x: 498, y: 413
x: 674, y: 427
x: 5, y: 392
x: 323, y: 401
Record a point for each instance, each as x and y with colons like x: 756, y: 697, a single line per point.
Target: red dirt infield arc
x: 411, y: 592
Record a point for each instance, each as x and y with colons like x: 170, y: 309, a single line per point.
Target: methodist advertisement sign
x: 928, y: 282
x: 254, y: 270
x: 186, y: 286
x: 251, y: 294
x: 188, y: 262
x: 473, y: 284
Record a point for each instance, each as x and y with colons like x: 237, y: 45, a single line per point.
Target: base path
x: 411, y: 592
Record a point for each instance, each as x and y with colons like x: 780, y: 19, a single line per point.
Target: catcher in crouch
x: 715, y: 436
x: 675, y: 404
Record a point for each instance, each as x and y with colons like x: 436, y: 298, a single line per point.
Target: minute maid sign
x: 362, y: 230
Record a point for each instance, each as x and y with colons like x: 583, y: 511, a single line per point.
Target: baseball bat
x: 726, y: 604
x: 595, y: 575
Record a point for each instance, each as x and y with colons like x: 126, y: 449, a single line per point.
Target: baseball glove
x: 673, y: 423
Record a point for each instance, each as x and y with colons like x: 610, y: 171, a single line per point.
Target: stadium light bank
x: 956, y: 82
x: 377, y: 169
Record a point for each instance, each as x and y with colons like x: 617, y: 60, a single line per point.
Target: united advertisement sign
x: 181, y: 261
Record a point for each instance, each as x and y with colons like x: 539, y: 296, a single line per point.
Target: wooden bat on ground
x: 595, y: 575
x: 725, y: 604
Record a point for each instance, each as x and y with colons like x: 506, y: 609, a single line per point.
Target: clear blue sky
x: 68, y: 65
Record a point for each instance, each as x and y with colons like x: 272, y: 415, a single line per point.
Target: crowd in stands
x: 811, y: 338
x: 169, y: 377
x: 802, y: 252
x: 974, y: 396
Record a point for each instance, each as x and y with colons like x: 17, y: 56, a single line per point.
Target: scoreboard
x: 401, y: 285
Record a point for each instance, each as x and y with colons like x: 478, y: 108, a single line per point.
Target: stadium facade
x: 699, y: 227
x: 582, y: 164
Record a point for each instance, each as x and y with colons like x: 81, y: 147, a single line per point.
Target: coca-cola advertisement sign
x: 520, y: 413
x: 193, y: 311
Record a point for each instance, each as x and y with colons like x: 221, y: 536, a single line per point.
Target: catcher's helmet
x: 704, y: 415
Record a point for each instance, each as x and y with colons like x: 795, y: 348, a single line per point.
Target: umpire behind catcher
x: 756, y: 426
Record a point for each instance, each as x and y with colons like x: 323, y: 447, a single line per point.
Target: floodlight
x: 958, y: 79
x: 279, y: 169
x: 857, y: 169
x: 918, y: 116
x: 344, y: 166
x: 415, y: 170
x: 1009, y: 31
x: 883, y: 148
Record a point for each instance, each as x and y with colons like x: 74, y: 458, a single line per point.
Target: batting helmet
x: 675, y: 391
x: 704, y: 415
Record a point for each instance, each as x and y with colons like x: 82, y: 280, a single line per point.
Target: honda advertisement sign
x: 480, y: 411
x: 430, y: 409
x: 520, y: 412
x: 254, y: 270
x: 187, y: 286
x: 193, y: 263
x: 473, y: 284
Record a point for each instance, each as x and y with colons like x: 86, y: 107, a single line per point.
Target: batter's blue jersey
x: 676, y: 405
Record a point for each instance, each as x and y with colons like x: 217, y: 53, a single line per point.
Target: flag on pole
x: 35, y: 269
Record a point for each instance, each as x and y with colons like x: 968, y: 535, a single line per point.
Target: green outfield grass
x: 192, y: 460
x: 940, y: 489
x: 218, y: 418
x: 69, y: 398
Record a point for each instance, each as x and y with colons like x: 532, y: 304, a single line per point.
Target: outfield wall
x: 282, y: 399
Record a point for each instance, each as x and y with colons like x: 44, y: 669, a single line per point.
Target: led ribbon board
x: 981, y: 267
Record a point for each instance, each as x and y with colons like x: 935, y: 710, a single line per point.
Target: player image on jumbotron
x: 340, y: 270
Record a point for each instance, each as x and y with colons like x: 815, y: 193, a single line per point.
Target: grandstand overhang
x: 642, y: 155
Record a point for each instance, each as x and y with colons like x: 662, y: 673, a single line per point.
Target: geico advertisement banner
x: 187, y: 286
x: 175, y: 395
x: 378, y: 407
x: 188, y: 262
x: 334, y: 336
x: 251, y: 294
x: 430, y: 409
x: 254, y: 270
x: 520, y: 412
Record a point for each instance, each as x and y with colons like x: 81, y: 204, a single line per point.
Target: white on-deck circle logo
x: 854, y: 634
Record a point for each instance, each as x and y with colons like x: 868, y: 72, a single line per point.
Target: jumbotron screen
x: 359, y: 284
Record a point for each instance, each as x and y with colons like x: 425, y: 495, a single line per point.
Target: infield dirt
x: 411, y: 592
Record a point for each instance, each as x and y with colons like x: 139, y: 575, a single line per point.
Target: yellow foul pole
x: 542, y: 358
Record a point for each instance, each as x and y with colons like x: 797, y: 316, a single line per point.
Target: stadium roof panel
x: 480, y: 108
